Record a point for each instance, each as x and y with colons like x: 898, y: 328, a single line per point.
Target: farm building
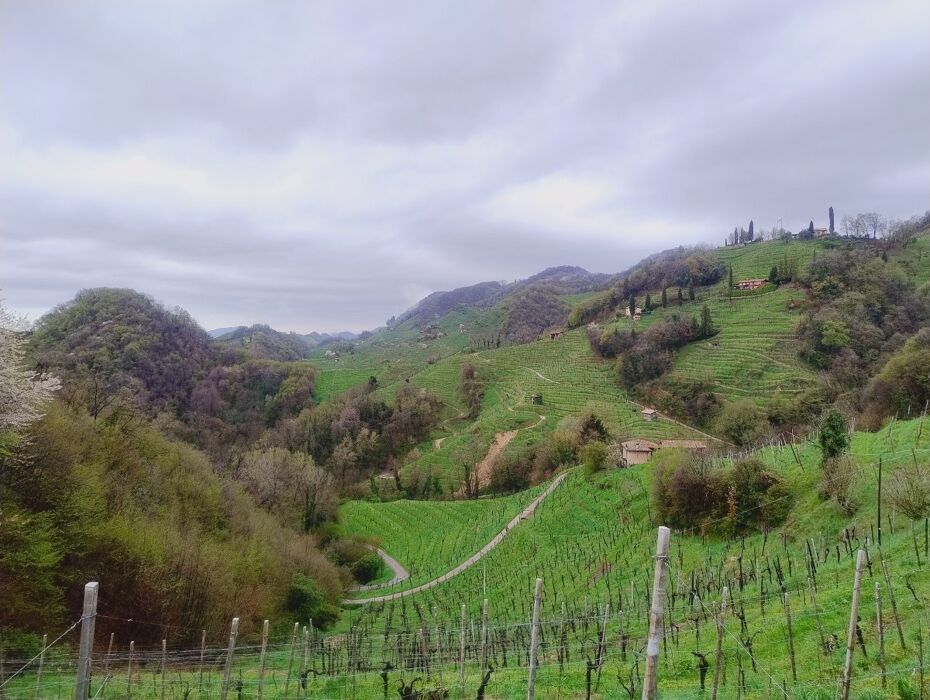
x: 557, y: 333
x: 821, y: 233
x: 637, y: 451
x: 749, y: 285
x: 649, y: 414
x: 640, y: 451
x: 537, y: 399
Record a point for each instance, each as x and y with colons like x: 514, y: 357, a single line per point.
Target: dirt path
x: 545, y: 379
x: 486, y: 465
x: 473, y: 559
x: 400, y: 573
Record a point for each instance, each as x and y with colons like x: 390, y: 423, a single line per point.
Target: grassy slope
x: 431, y: 537
x: 592, y: 541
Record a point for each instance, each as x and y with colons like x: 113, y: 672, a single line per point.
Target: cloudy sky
x: 321, y: 166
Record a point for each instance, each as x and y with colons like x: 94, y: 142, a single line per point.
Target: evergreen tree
x: 648, y: 306
x: 707, y: 323
x: 691, y: 290
x: 832, y: 229
x: 664, y: 298
x: 750, y: 235
x: 834, y: 440
x: 810, y: 229
x: 773, y: 275
x: 735, y: 235
x: 681, y: 298
x: 731, y: 276
x: 632, y: 306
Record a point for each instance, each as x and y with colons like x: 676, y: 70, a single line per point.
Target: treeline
x: 681, y: 267
x: 196, y: 472
x: 861, y: 330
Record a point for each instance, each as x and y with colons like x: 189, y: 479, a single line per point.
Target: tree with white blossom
x: 23, y: 392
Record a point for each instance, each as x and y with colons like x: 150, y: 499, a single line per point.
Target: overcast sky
x: 322, y: 166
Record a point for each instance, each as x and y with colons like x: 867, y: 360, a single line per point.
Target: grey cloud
x: 318, y: 165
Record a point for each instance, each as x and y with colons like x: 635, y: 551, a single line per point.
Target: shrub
x: 306, y: 602
x: 742, y: 422
x: 368, y: 568
x: 837, y: 479
x: 594, y: 456
x: 909, y: 491
x: 692, y: 493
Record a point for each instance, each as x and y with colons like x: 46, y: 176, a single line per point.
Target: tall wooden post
x: 290, y: 658
x: 203, y: 650
x: 106, y: 663
x: 881, y: 631
x: 132, y: 652
x: 534, y: 641
x: 41, y: 664
x: 794, y: 666
x: 462, y: 652
x: 261, y: 659
x: 85, y: 653
x: 894, y: 603
x: 230, y: 650
x: 853, y: 622
x: 718, y: 656
x: 484, y: 635
x: 656, y: 616
x: 879, y: 502
x: 164, y: 660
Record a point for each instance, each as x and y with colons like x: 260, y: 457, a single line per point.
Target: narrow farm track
x: 472, y: 560
x: 400, y: 573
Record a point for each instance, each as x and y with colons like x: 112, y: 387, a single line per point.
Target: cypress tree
x: 731, y: 275
x: 751, y: 235
x: 632, y: 306
x: 648, y: 306
x: 832, y: 229
x: 810, y: 229
x: 707, y: 323
x: 681, y: 299
x: 664, y: 298
x: 691, y: 290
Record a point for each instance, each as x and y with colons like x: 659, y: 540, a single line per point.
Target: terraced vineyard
x: 564, y: 372
x: 592, y: 542
x: 431, y: 537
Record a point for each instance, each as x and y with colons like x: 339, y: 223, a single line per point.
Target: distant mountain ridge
x: 564, y: 279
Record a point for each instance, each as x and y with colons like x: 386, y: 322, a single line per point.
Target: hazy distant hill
x: 565, y: 279
x: 265, y: 343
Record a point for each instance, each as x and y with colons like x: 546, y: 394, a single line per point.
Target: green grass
x: 431, y: 537
x: 592, y: 541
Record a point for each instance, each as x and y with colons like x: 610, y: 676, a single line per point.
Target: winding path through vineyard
x: 468, y: 563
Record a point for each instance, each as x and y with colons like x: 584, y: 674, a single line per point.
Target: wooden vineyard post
x: 534, y: 641
x: 853, y: 622
x: 106, y: 663
x: 718, y: 656
x: 203, y: 649
x: 164, y: 659
x: 132, y: 651
x: 656, y: 616
x: 462, y: 653
x: 794, y: 665
x: 85, y: 653
x: 41, y: 663
x: 290, y: 658
x: 230, y: 650
x: 881, y: 631
x: 484, y: 635
x: 302, y: 683
x: 894, y: 603
x: 261, y: 659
